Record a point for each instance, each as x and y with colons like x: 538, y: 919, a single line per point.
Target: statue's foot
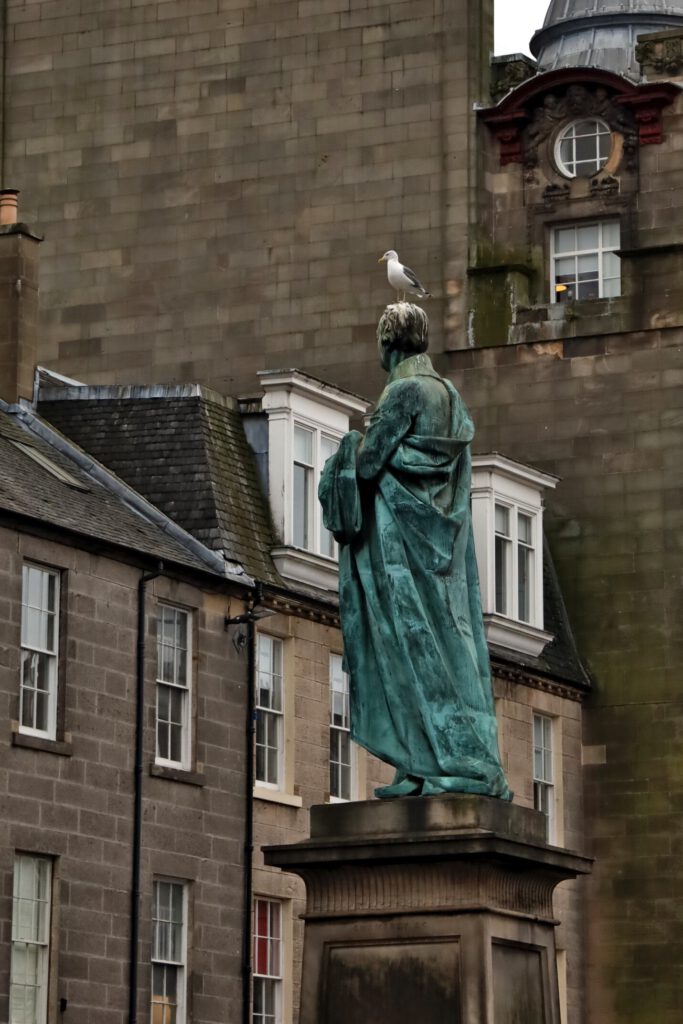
x: 406, y: 785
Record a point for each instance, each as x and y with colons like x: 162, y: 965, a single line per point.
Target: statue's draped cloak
x: 398, y: 502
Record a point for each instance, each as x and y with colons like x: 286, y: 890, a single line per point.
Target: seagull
x: 402, y: 278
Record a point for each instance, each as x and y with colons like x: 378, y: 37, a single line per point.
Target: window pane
x: 567, y: 153
x: 301, y: 496
x: 303, y: 445
x: 502, y: 574
x: 524, y: 524
x: 586, y: 149
x: 524, y: 562
x: 565, y: 269
x: 502, y: 520
x: 587, y: 237
x: 565, y: 240
x: 610, y: 234
x: 588, y: 290
x: 587, y: 266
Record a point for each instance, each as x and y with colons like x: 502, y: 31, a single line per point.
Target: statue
x: 398, y: 502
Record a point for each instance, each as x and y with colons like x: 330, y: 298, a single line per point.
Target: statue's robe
x: 398, y: 502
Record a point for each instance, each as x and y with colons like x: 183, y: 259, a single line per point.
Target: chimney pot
x: 9, y: 202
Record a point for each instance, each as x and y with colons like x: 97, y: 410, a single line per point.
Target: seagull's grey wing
x: 413, y: 279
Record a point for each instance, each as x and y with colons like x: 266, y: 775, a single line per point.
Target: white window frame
x: 319, y: 541
x: 600, y: 251
x: 164, y: 959
x: 512, y: 545
x: 564, y: 135
x: 268, y: 970
x: 498, y: 481
x: 32, y: 650
x: 543, y: 770
x: 294, y: 398
x: 34, y: 935
x: 270, y: 667
x: 179, y: 683
x: 340, y: 735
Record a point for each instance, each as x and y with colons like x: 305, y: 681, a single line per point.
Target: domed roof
x: 600, y: 33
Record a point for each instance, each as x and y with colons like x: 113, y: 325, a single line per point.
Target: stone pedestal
x: 428, y: 910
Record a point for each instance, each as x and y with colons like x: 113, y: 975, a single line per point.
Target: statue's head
x: 403, y: 331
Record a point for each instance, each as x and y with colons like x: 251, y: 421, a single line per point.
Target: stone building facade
x: 106, y: 604
x: 214, y: 189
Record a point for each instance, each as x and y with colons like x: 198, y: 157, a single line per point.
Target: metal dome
x: 601, y: 33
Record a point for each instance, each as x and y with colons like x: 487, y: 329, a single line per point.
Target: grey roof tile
x: 185, y: 450
x: 40, y: 482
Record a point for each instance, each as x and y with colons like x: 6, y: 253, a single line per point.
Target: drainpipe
x: 137, y: 809
x: 249, y: 620
x: 249, y: 823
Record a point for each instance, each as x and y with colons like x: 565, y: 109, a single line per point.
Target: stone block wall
x: 604, y: 414
x: 516, y: 704
x: 216, y: 181
x: 74, y: 801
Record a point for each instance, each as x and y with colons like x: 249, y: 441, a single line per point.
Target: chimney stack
x: 18, y: 302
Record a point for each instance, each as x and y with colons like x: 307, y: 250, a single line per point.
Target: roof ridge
x: 134, y: 392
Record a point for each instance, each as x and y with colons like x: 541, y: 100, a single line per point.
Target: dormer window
x: 306, y: 421
x: 507, y: 518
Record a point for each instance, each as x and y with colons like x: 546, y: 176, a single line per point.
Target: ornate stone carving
x: 604, y: 186
x: 556, y: 193
x: 578, y: 101
x: 508, y: 74
x: 524, y: 119
x: 661, y: 56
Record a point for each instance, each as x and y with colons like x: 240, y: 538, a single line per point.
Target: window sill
x: 276, y: 796
x: 165, y: 771
x: 61, y: 747
x: 516, y: 636
x: 307, y: 567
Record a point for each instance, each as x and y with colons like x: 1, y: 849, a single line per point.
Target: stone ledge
x: 60, y: 747
x: 448, y: 813
x: 164, y: 771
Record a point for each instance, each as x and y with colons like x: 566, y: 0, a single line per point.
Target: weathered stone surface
x: 439, y: 904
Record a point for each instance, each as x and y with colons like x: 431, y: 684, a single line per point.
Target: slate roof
x: 46, y: 479
x: 184, y: 448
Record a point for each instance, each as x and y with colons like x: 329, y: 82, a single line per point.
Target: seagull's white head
x: 390, y: 254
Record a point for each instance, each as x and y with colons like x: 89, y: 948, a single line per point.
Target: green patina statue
x: 398, y: 503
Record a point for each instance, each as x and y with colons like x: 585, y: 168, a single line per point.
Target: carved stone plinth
x: 430, y: 909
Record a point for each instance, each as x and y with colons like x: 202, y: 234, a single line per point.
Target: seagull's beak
x: 381, y: 259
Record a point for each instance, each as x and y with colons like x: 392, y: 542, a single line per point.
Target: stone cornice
x: 510, y: 673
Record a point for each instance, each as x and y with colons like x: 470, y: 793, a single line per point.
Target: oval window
x: 583, y: 148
